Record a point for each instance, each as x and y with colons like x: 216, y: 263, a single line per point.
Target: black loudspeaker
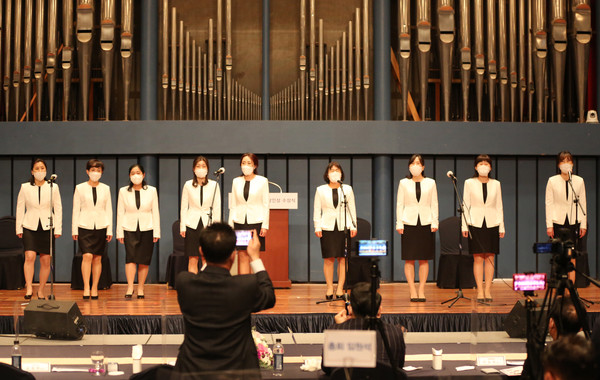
x: 54, y: 320
x: 516, y: 322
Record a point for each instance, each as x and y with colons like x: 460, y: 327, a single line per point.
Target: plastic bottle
x: 16, y: 355
x: 278, y: 357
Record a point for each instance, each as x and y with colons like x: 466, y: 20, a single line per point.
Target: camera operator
x: 356, y: 317
x: 563, y: 320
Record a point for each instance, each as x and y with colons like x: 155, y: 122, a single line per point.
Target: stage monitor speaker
x: 54, y: 320
x: 516, y: 322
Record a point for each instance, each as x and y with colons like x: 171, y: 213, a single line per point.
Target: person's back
x: 216, y: 309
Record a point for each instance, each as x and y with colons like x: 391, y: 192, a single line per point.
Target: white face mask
x: 565, y: 168
x: 95, y: 176
x: 39, y: 175
x: 483, y: 170
x: 247, y: 169
x: 334, y: 177
x: 201, y: 173
x: 415, y: 170
x: 136, y: 179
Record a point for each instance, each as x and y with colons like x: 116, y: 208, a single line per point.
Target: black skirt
x: 192, y: 240
x: 92, y: 241
x: 332, y: 243
x: 418, y: 242
x: 37, y: 241
x: 139, y: 246
x: 484, y: 239
x: 256, y: 227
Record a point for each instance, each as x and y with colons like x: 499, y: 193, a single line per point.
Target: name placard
x: 487, y: 360
x: 283, y: 201
x: 350, y: 348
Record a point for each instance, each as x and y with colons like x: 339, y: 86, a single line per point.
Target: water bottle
x: 278, y: 357
x: 16, y: 355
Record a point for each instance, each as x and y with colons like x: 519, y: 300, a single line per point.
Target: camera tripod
x: 536, y: 337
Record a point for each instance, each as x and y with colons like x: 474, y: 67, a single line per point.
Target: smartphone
x: 242, y: 238
x: 529, y: 281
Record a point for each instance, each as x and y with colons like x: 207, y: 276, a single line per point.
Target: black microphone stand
x: 51, y: 224
x: 212, y: 202
x: 578, y: 205
x: 346, y: 246
x: 462, y: 216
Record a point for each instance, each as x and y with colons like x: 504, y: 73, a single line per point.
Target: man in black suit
x: 356, y: 318
x: 216, y: 306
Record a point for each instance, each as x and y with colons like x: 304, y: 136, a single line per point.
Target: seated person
x: 355, y: 319
x: 563, y: 318
x: 569, y: 357
x: 216, y: 306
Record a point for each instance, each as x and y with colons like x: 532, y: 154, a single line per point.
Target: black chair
x: 7, y: 371
x: 382, y: 371
x: 177, y: 262
x: 359, y: 268
x: 105, y: 281
x: 451, y: 259
x: 12, y: 255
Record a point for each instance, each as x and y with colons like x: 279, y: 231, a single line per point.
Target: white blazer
x: 408, y: 210
x: 256, y: 208
x: 31, y: 210
x: 326, y: 216
x: 558, y: 207
x: 192, y: 210
x: 86, y: 214
x: 128, y: 216
x: 476, y: 210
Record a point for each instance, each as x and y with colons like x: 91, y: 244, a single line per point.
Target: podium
x: 276, y: 254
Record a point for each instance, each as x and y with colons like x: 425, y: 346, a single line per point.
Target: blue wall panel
x: 523, y: 183
x: 301, y: 227
x: 317, y: 166
x: 507, y: 175
x: 526, y: 201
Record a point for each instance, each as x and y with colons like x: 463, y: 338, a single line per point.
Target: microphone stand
x: 577, y: 238
x: 212, y: 202
x: 51, y: 224
x: 461, y: 213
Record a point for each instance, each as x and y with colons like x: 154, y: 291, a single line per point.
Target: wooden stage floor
x: 300, y: 299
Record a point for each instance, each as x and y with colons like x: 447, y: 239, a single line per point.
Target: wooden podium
x: 275, y: 257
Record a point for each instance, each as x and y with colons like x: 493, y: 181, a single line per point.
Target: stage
x: 296, y: 309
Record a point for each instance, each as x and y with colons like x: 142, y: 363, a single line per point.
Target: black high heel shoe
x: 28, y: 296
x: 129, y: 295
x: 328, y: 297
x: 86, y: 297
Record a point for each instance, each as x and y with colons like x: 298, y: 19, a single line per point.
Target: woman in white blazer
x: 417, y: 221
x: 138, y: 226
x: 92, y: 225
x: 562, y: 213
x: 485, y: 221
x: 329, y: 222
x: 249, y: 205
x: 32, y: 224
x: 198, y: 209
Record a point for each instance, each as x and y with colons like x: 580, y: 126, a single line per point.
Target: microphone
x: 53, y: 178
x: 451, y: 175
x: 570, y: 176
x: 340, y: 182
x: 220, y: 171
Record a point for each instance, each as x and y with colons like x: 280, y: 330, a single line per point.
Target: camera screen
x: 543, y: 247
x: 369, y: 248
x: 529, y: 281
x: 242, y: 238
